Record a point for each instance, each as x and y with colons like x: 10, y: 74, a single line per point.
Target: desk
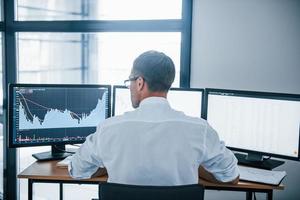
x: 47, y: 172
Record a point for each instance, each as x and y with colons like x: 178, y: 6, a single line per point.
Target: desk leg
x: 61, y: 191
x: 249, y: 195
x: 30, y: 188
x: 269, y: 194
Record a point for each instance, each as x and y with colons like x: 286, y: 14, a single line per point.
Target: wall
x: 248, y: 45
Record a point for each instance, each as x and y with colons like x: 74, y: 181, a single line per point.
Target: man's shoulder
x: 176, y: 116
x: 181, y: 116
x: 116, y: 119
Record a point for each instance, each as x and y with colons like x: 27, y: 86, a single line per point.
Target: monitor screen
x: 55, y: 114
x: 260, y: 122
x: 187, y: 100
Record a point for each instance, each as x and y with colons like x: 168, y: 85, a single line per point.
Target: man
x: 154, y: 144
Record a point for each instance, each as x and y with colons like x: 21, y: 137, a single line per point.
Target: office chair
x: 113, y: 191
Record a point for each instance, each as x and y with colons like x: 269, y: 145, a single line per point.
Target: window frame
x: 10, y: 27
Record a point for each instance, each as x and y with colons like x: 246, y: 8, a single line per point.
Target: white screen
x: 122, y: 101
x: 264, y: 125
x: 187, y: 101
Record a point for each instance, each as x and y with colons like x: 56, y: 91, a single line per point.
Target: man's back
x: 155, y: 145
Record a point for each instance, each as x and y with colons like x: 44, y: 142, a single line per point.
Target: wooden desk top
x: 48, y: 170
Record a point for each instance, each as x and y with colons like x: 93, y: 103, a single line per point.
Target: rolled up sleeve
x: 219, y: 160
x: 86, y: 161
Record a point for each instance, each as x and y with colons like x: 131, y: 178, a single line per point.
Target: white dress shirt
x: 154, y: 145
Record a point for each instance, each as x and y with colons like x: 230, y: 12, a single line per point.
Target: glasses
x: 127, y: 82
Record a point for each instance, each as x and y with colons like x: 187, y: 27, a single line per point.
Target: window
x: 86, y: 41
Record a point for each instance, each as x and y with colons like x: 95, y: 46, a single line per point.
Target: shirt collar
x: 154, y: 100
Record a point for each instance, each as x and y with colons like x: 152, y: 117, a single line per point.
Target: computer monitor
x: 47, y: 114
x: 188, y: 100
x: 257, y: 123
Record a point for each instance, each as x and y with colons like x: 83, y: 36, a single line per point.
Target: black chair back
x: 113, y: 191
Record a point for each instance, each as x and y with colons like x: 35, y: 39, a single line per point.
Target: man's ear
x: 140, y: 82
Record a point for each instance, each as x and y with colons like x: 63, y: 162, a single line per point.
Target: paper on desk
x: 64, y: 163
x: 261, y: 175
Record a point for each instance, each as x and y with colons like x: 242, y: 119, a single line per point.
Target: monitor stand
x: 257, y: 160
x: 57, y: 153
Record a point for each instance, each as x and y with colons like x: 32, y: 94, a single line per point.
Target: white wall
x: 248, y: 45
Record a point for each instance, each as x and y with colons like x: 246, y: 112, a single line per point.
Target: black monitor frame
x: 60, y: 143
x: 255, y: 94
x: 115, y: 87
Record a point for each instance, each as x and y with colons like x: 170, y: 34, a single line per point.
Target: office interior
x: 248, y: 45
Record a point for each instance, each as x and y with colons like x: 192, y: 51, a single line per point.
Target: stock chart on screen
x: 53, y: 114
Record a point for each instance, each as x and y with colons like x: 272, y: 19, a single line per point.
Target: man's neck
x: 154, y: 94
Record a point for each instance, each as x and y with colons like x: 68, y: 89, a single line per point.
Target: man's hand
x: 204, y: 174
x: 100, y: 172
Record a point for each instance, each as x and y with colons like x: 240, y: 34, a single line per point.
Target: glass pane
x: 74, y: 191
x: 89, y: 57
x: 51, y: 58
x: 117, y: 52
x: 98, y: 9
x: 1, y: 7
x: 42, y: 191
x: 139, y: 9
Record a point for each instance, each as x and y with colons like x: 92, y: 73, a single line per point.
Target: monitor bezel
x: 115, y: 87
x: 11, y: 143
x: 261, y: 95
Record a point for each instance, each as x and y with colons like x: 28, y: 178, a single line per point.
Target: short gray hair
x: 156, y: 68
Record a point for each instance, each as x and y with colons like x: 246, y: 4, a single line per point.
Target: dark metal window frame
x: 9, y: 27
